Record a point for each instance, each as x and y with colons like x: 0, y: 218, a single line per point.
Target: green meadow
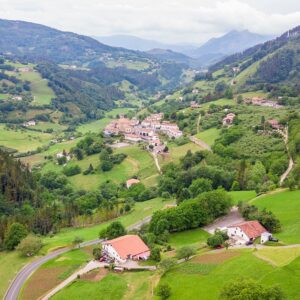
x: 286, y: 206
x: 195, y: 238
x: 176, y: 152
x: 23, y: 140
x: 94, y: 127
x: 40, y: 90
x: 209, y: 136
x: 243, y: 196
x: 207, y: 275
x: 138, y: 162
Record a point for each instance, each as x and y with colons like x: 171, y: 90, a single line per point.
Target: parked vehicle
x: 272, y: 239
x: 249, y: 243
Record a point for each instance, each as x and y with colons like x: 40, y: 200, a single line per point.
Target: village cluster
x: 147, y: 130
x: 262, y: 102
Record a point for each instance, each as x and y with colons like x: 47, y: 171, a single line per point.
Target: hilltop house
x: 29, y: 123
x: 131, y: 181
x: 126, y: 247
x: 228, y: 120
x: 274, y: 124
x: 249, y: 231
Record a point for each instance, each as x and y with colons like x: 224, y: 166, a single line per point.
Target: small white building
x: 29, y: 123
x: 126, y: 247
x: 248, y: 231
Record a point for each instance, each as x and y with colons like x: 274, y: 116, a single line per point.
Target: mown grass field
x: 286, y: 206
x: 243, y: 196
x: 279, y: 256
x: 48, y: 125
x: 40, y: 90
x: 209, y: 136
x: 131, y: 285
x: 195, y: 238
x: 11, y: 263
x: 23, y: 140
x: 206, y: 275
x: 94, y: 127
x: 176, y: 152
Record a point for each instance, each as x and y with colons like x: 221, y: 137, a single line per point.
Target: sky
x: 168, y: 21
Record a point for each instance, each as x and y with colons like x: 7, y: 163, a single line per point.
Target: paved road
x: 16, y: 285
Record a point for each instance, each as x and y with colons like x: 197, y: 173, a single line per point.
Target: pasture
x: 94, y: 127
x: 206, y: 275
x: 176, y: 152
x: 23, y: 140
x: 195, y: 238
x: 286, y: 206
x: 243, y: 196
x: 40, y: 90
x: 209, y: 136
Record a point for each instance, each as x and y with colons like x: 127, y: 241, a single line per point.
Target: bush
x: 97, y: 253
x: 215, y: 240
x: 185, y: 252
x: 114, y: 230
x: 163, y: 291
x: 155, y: 254
x: 106, y: 165
x: 13, y: 236
x: 72, y: 170
x: 251, y: 290
x: 30, y: 245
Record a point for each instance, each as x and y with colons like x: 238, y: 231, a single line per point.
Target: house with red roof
x: 131, y: 181
x: 249, y: 231
x: 126, y: 247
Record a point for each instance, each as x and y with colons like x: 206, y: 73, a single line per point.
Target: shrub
x: 163, y: 291
x: 30, y: 245
x: 72, y: 170
x: 13, y: 236
x: 185, y: 252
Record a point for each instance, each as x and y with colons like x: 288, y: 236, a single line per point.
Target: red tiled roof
x: 132, y: 181
x: 252, y: 229
x: 128, y: 245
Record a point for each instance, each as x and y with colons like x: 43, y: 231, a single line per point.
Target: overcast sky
x: 170, y: 21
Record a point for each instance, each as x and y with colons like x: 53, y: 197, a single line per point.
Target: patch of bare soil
x: 215, y: 258
x: 95, y: 275
x: 42, y: 281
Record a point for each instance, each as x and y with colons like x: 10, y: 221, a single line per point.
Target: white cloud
x: 189, y: 21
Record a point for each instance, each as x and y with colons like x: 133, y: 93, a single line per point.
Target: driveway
x: 233, y: 217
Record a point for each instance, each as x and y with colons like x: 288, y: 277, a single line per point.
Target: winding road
x: 16, y: 285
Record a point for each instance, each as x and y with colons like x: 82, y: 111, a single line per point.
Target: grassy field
x: 48, y: 125
x: 286, y: 206
x: 133, y: 286
x: 40, y: 90
x: 53, y: 272
x: 209, y: 136
x: 11, y: 263
x: 176, y: 152
x: 23, y: 140
x: 138, y: 162
x: 117, y: 111
x: 206, y: 275
x: 54, y: 149
x: 95, y: 126
x: 279, y: 256
x: 195, y: 238
x: 244, y: 196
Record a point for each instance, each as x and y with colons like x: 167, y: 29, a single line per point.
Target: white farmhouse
x: 248, y: 231
x: 126, y: 247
